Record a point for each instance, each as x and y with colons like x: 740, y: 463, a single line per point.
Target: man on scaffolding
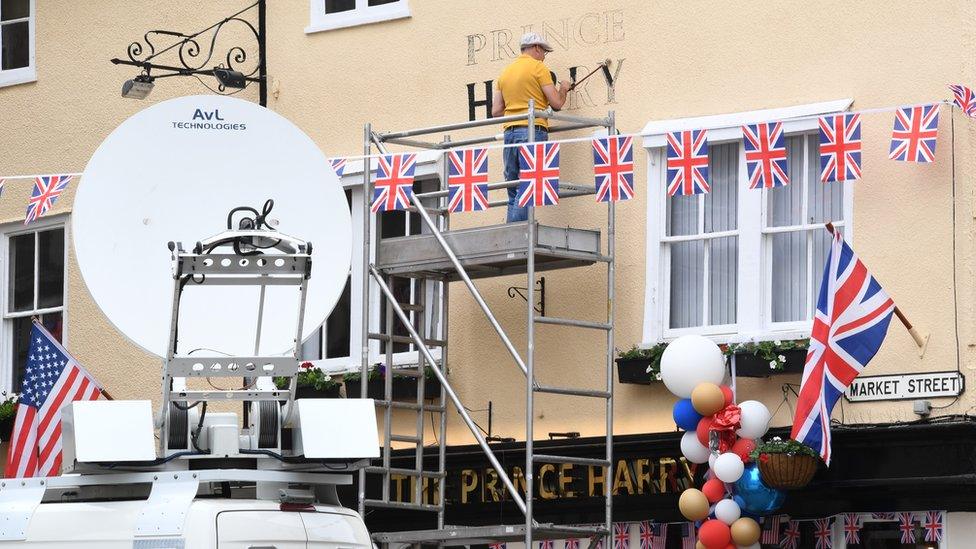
x: 525, y: 78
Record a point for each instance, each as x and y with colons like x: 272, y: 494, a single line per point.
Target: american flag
x: 791, y: 536
x: 46, y: 191
x: 906, y: 523
x: 840, y: 147
x: 964, y: 98
x: 621, y: 535
x: 689, y: 539
x: 571, y: 543
x: 916, y: 131
x: 851, y: 321
x: 613, y: 168
x: 688, y: 163
x: 545, y: 544
x: 933, y: 525
x: 467, y: 180
x: 52, y: 379
x: 338, y: 165
x: 821, y: 533
x: 538, y: 175
x: 770, y: 531
x: 394, y: 182
x: 852, y: 528
x: 766, y: 155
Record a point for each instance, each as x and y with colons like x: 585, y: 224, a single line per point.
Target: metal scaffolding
x: 434, y: 260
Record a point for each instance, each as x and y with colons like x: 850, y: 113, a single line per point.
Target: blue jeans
x: 517, y: 134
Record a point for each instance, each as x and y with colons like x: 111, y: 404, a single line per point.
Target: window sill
x: 18, y: 76
x: 378, y: 14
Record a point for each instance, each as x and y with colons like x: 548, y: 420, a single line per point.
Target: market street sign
x: 906, y: 386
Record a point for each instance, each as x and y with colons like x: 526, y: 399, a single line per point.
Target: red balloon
x: 743, y: 447
x: 727, y: 391
x: 714, y: 534
x: 714, y: 490
x: 703, y: 427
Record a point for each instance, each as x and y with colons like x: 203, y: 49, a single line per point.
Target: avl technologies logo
x: 208, y: 120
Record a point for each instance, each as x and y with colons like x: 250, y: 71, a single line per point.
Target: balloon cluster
x: 721, y: 433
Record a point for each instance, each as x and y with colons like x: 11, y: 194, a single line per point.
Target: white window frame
x: 362, y: 14
x: 429, y: 165
x: 753, y: 300
x: 21, y: 75
x: 6, y: 340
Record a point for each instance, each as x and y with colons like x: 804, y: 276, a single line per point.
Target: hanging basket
x: 786, y: 471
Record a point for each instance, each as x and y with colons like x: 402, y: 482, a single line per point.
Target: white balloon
x: 755, y: 419
x: 727, y: 511
x: 728, y: 467
x: 690, y: 360
x: 711, y: 461
x: 692, y: 449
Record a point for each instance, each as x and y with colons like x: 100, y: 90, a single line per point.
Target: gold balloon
x: 693, y: 504
x: 707, y: 398
x: 700, y: 545
x: 745, y: 531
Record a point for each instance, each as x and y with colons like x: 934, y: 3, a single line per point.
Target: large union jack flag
x: 621, y: 535
x: 766, y: 162
x: 821, y: 533
x: 791, y: 536
x: 852, y: 528
x: 933, y: 525
x: 394, y: 182
x: 338, y: 165
x: 538, y: 174
x: 688, y: 163
x: 46, y: 191
x: 851, y: 322
x: 840, y: 147
x: 613, y: 168
x: 916, y: 131
x: 964, y: 98
x: 906, y: 524
x: 467, y: 180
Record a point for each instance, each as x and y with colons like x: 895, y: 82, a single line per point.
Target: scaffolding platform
x: 471, y: 535
x: 495, y: 250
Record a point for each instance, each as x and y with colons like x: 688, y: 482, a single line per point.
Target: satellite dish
x: 173, y: 172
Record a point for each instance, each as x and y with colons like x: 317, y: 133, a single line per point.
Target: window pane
x: 821, y: 247
x: 789, y: 280
x: 14, y: 46
x: 50, y: 267
x: 682, y: 215
x: 721, y: 204
x: 381, y: 2
x: 687, y: 281
x: 335, y: 6
x: 784, y: 204
x: 52, y: 322
x: 20, y: 296
x: 312, y: 347
x: 337, y: 326
x: 723, y: 257
x: 14, y: 9
x: 825, y: 202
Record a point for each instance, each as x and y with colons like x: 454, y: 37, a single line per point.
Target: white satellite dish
x: 172, y: 172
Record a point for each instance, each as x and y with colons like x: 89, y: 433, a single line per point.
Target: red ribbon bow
x: 725, y: 423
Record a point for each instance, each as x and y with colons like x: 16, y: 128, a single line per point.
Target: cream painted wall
x: 675, y: 59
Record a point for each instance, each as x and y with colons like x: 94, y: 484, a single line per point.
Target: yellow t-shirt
x: 523, y: 80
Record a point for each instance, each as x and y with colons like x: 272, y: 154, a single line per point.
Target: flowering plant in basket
x: 8, y: 412
x: 786, y: 464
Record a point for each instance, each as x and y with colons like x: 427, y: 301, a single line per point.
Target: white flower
x: 772, y: 364
x: 781, y: 358
x: 777, y: 438
x: 648, y: 370
x: 777, y: 342
x: 657, y: 376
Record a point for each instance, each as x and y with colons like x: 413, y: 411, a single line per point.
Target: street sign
x: 906, y: 386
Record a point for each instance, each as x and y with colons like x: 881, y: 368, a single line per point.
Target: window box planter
x: 311, y: 392
x: 6, y: 425
x: 404, y: 388
x: 750, y: 365
x: 634, y: 371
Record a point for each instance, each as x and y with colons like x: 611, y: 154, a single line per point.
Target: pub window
x: 16, y: 42
x: 336, y: 14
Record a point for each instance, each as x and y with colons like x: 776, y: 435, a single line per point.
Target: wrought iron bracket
x: 540, y: 288
x: 189, y: 58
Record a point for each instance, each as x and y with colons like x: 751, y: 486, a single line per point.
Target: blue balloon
x: 685, y: 415
x: 753, y: 496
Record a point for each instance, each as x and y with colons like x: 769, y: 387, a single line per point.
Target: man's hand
x: 564, y: 86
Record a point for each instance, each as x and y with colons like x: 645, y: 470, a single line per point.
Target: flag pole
x: 912, y: 331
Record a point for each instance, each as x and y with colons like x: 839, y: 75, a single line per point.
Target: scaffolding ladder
x: 460, y: 260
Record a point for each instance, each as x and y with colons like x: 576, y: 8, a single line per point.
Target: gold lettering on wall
x: 566, y: 480
x: 622, y: 478
x: 545, y: 486
x: 597, y: 475
x: 469, y: 483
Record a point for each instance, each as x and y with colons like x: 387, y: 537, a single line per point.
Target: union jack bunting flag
x: 906, y: 523
x: 933, y: 525
x: 467, y: 180
x: 916, y: 131
x: 964, y: 98
x: 688, y: 163
x: 546, y: 544
x: 613, y: 168
x: 652, y: 535
x: 46, y: 191
x: 571, y: 543
x: 840, y: 147
x: 538, y: 175
x: 766, y: 155
x: 394, y: 182
x: 852, y: 528
x: 791, y: 536
x: 497, y: 545
x: 621, y: 535
x: 821, y: 533
x: 850, y: 323
x: 770, y: 529
x: 338, y: 165
x: 52, y: 379
x: 689, y: 538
